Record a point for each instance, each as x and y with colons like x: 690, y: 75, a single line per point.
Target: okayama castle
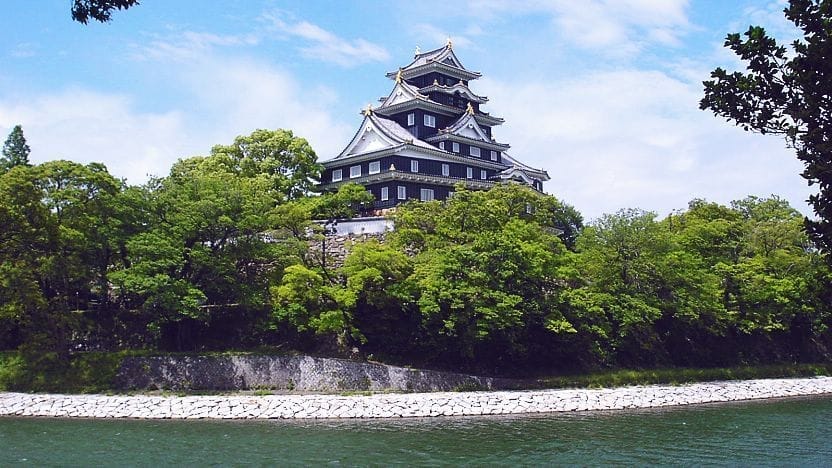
x: 427, y: 136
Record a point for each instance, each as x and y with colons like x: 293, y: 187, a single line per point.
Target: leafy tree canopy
x: 787, y: 93
x: 98, y: 10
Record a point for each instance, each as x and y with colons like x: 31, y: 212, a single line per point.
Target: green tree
x: 99, y: 10
x: 787, y: 93
x: 288, y: 162
x: 15, y: 150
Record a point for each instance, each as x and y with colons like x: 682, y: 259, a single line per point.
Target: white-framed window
x: 442, y: 145
x: 493, y: 155
x: 414, y: 165
x: 469, y: 173
x: 355, y: 171
x: 426, y: 194
x: 336, y: 175
x: 375, y: 167
x: 411, y: 119
x: 456, y: 147
x: 474, y: 151
x: 446, y: 170
x: 401, y: 192
x: 385, y: 194
x: 430, y: 121
x: 483, y: 174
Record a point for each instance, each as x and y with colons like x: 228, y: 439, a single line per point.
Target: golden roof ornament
x: 368, y: 111
x: 399, y: 76
x: 469, y: 109
x: 418, y: 51
x: 450, y: 43
x: 435, y: 82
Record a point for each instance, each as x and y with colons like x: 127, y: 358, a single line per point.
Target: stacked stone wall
x: 289, y: 373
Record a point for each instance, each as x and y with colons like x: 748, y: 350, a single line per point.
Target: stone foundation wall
x: 289, y: 373
x: 401, y: 405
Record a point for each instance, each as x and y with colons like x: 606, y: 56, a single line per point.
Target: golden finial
x: 399, y: 76
x: 469, y: 109
x: 418, y: 51
x: 450, y: 43
x: 368, y: 110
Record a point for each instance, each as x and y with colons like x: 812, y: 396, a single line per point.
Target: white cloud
x: 635, y: 138
x: 187, y: 45
x: 24, y: 50
x: 87, y: 126
x: 326, y: 46
x: 617, y: 28
x: 221, y: 97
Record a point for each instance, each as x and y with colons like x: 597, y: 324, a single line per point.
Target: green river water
x: 780, y: 432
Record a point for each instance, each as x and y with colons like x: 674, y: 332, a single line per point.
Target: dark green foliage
x: 789, y: 94
x: 98, y: 10
x: 15, y: 150
x: 217, y: 256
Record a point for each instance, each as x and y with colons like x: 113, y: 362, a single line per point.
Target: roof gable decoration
x: 402, y: 92
x: 369, y: 137
x: 467, y: 126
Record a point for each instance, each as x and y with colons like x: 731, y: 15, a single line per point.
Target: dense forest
x: 223, y: 254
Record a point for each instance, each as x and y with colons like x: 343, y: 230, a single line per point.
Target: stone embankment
x: 402, y: 405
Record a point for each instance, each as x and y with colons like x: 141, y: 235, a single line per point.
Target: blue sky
x: 602, y: 94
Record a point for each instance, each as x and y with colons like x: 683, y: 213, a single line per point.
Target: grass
x: 677, y: 376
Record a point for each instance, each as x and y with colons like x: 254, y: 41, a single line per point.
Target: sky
x: 602, y: 94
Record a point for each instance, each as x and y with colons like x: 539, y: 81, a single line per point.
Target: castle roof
x: 460, y: 88
x: 442, y: 59
x: 466, y: 129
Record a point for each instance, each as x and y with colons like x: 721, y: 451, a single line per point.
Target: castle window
x: 414, y: 166
x: 336, y: 175
x: 446, y: 170
x: 456, y: 147
x: 474, y: 151
x: 426, y: 194
x: 493, y: 155
x: 402, y: 192
x: 385, y: 195
x: 375, y: 167
x: 430, y: 121
x: 411, y: 119
x: 469, y: 173
x: 483, y: 174
x: 355, y: 171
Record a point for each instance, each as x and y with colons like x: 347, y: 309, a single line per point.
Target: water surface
x: 779, y: 432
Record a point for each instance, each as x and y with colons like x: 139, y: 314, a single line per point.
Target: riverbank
x: 402, y: 405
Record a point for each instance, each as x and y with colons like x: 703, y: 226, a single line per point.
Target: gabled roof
x: 377, y: 133
x: 467, y: 126
x: 528, y: 171
x: 460, y: 88
x: 444, y: 54
x: 402, y: 92
x: 442, y: 58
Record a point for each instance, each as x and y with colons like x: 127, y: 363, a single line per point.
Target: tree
x: 15, y: 150
x: 99, y: 10
x: 287, y: 161
x: 789, y: 94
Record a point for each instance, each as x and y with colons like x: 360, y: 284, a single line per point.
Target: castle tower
x: 426, y: 136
